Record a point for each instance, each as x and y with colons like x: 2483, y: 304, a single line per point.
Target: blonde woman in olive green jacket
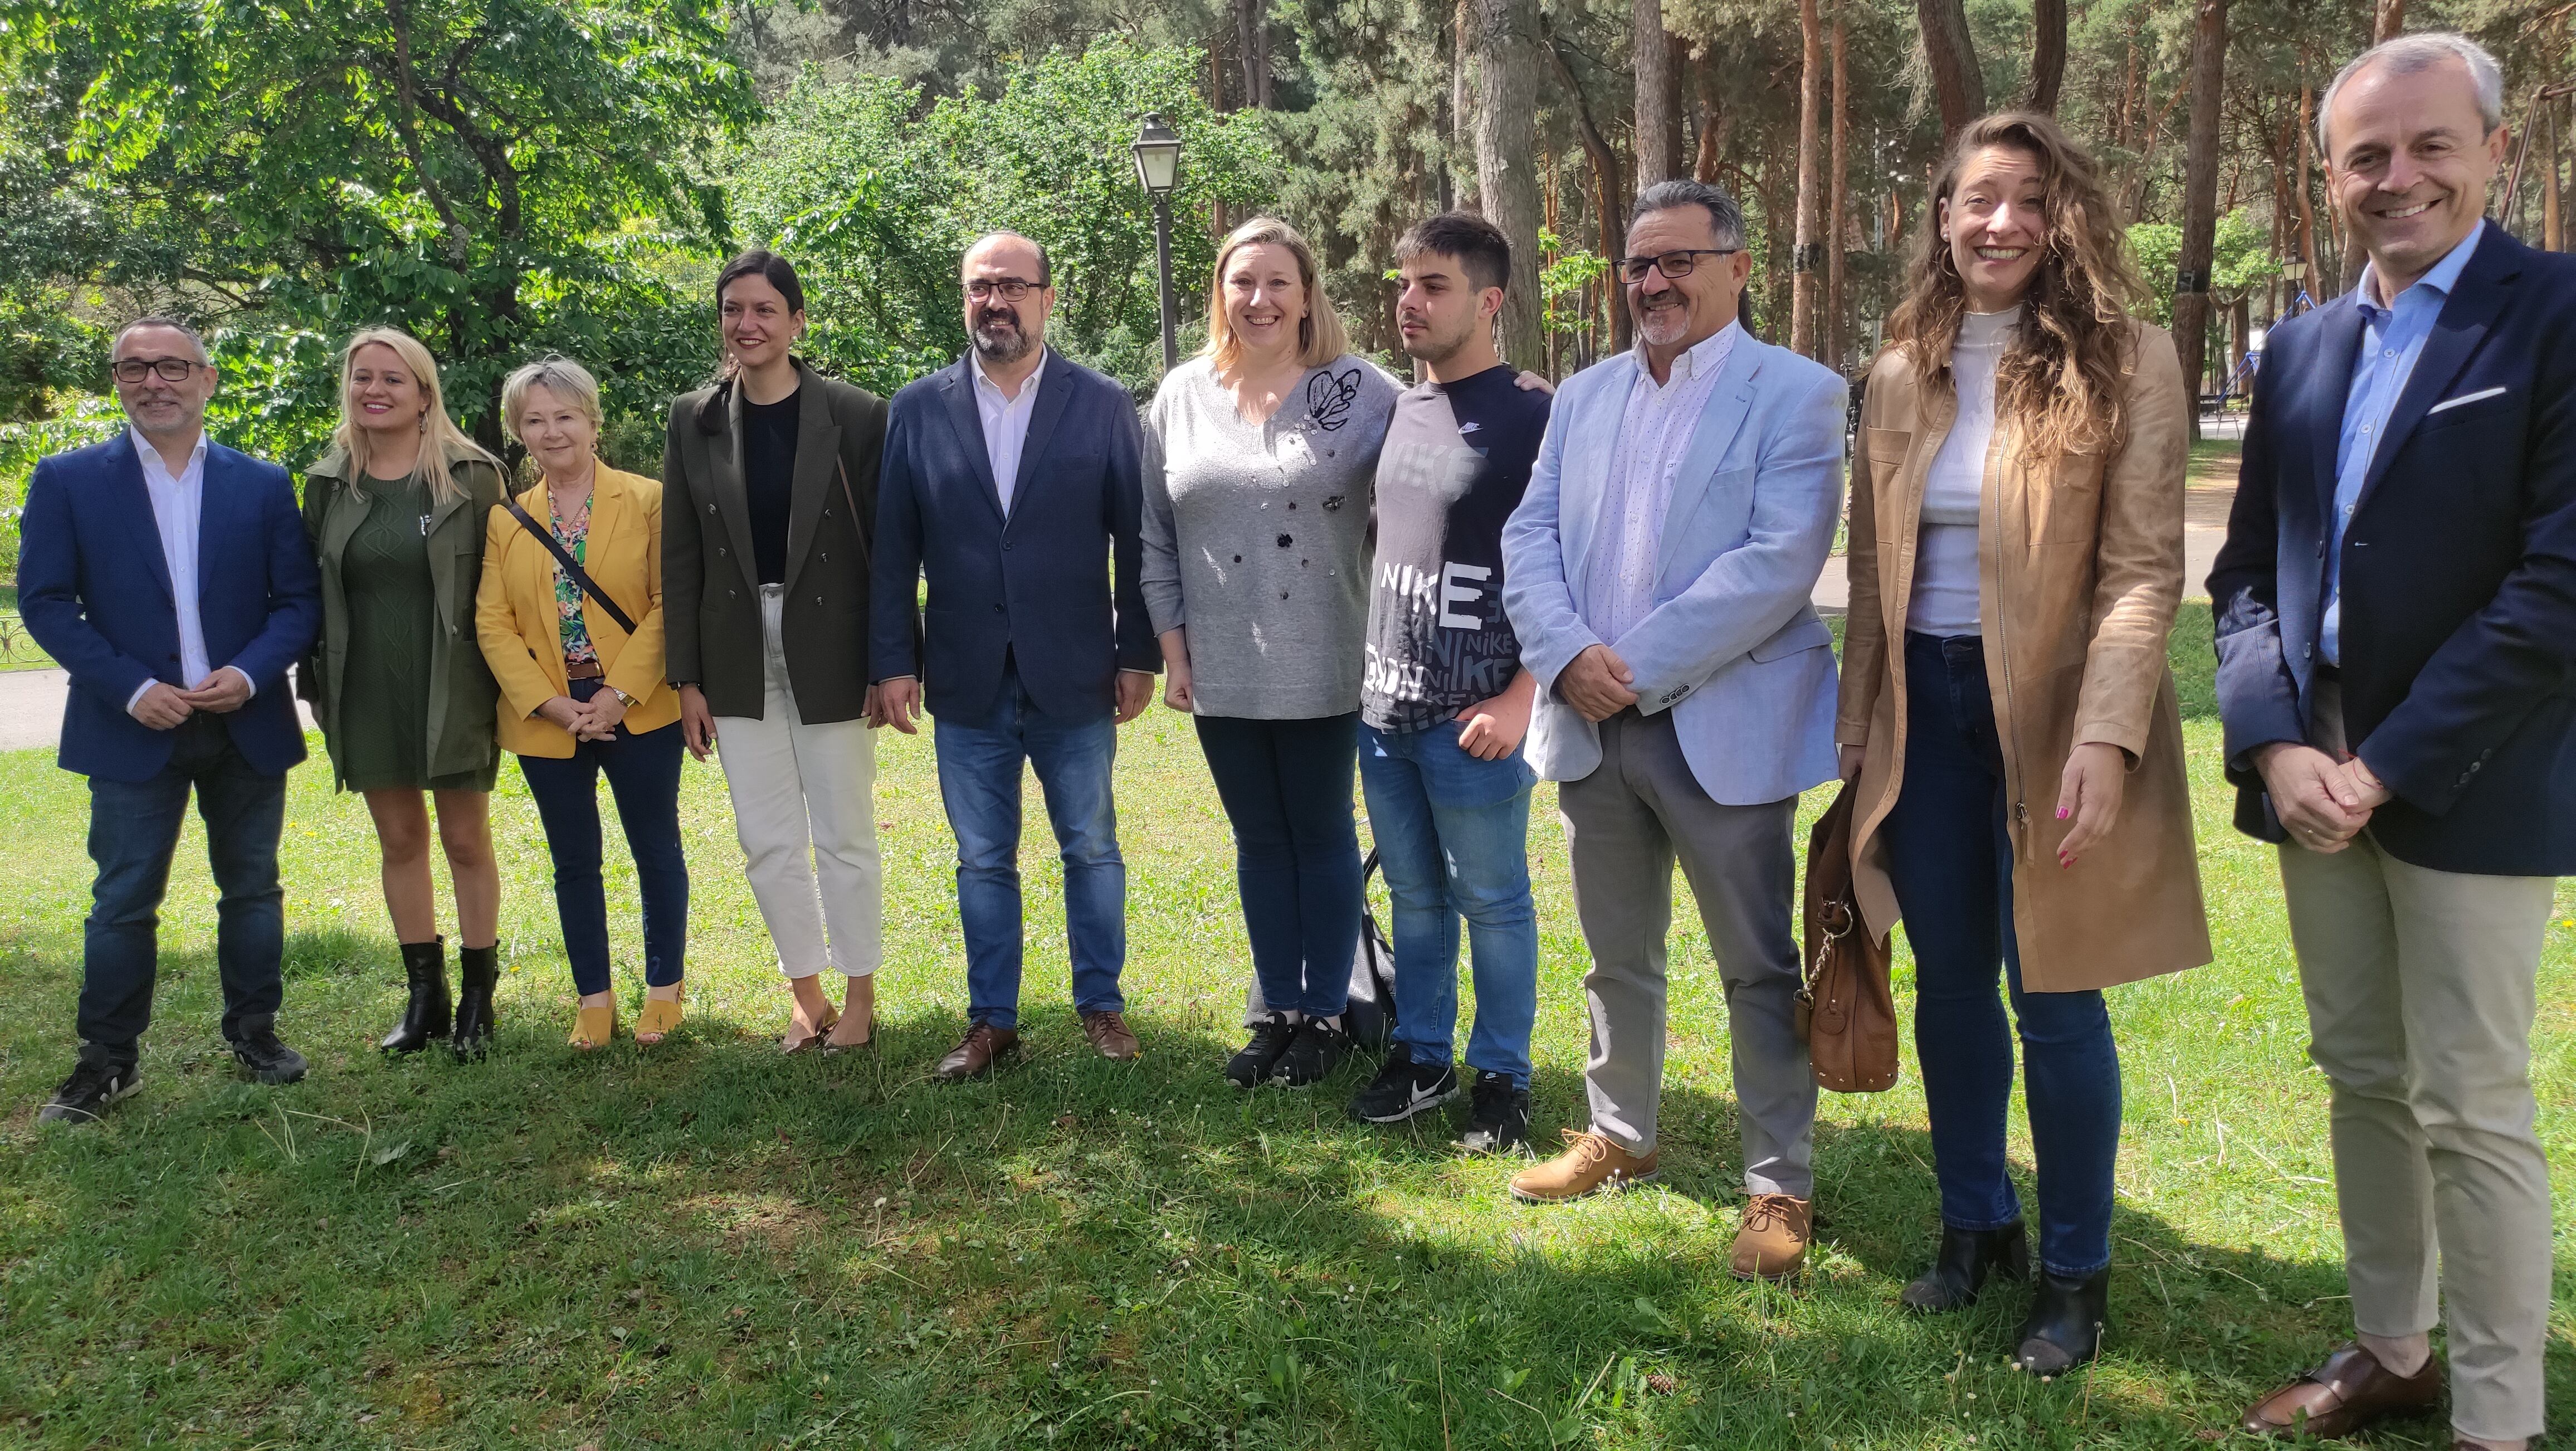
x: 407, y: 705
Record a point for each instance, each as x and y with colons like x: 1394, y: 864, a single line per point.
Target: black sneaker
x: 1404, y: 1088
x: 1253, y: 1066
x: 268, y: 1060
x: 95, y: 1083
x: 1497, y: 1116
x: 1318, y: 1049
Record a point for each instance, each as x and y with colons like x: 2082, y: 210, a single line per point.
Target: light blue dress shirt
x: 2392, y: 338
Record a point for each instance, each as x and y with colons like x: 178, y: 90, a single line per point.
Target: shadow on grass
x: 704, y: 1244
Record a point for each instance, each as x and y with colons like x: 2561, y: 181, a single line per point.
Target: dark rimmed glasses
x: 1674, y: 265
x: 1010, y: 289
x: 172, y: 370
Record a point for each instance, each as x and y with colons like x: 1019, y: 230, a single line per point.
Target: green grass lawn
x: 707, y: 1245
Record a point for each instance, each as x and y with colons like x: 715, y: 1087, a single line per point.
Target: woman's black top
x: 768, y: 476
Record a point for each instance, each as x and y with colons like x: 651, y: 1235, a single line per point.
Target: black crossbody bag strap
x: 571, y: 566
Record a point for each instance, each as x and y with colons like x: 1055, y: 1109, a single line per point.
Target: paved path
x: 2199, y: 550
x: 31, y: 708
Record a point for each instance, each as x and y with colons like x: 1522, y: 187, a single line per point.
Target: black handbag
x: 571, y: 566
x: 1370, y: 1019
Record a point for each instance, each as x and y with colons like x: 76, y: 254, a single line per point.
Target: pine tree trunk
x: 1952, y: 55
x: 1658, y: 105
x: 1838, y: 205
x: 1811, y: 82
x: 1252, y: 33
x: 2047, y: 55
x: 1609, y: 198
x: 2387, y: 19
x: 2200, y: 196
x: 1506, y: 148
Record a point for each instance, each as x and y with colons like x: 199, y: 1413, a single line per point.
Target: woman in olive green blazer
x: 396, y: 512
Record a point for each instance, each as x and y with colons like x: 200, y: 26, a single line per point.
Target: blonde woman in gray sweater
x: 1258, y: 458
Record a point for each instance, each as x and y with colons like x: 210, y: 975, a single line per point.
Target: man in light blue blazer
x: 1658, y: 573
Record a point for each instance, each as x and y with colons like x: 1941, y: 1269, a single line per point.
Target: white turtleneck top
x: 1944, y: 599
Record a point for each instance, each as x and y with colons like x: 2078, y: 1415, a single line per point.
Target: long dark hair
x: 2061, y: 377
x: 778, y: 272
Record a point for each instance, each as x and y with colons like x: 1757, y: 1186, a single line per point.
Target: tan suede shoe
x: 1590, y: 1162
x: 1771, y: 1244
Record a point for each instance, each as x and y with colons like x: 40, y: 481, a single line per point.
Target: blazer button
x: 719, y: 551
x: 827, y: 554
x: 2307, y: 652
x: 1006, y: 544
x: 2321, y: 549
x: 997, y: 609
x: 733, y: 594
x: 711, y: 508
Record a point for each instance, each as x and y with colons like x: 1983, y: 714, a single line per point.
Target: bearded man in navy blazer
x: 1014, y: 484
x: 2397, y: 676
x: 171, y: 577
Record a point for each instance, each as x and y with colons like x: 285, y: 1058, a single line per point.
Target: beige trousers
x: 804, y: 808
x: 2421, y: 990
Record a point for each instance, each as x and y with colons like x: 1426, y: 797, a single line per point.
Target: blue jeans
x: 1452, y: 834
x: 133, y: 834
x: 644, y: 775
x: 979, y: 783
x: 1951, y: 860
x: 1286, y: 785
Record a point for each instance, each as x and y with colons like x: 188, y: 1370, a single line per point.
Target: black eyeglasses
x: 1674, y: 265
x: 1012, y: 289
x: 172, y: 370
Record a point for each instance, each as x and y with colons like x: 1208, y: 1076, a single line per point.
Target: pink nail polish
x: 2061, y: 813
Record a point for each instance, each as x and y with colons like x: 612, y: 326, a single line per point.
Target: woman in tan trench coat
x: 2016, y: 560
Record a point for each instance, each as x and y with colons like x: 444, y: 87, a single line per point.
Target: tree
x: 1838, y: 208
x: 448, y: 166
x: 2047, y: 55
x: 1658, y: 95
x: 1252, y: 32
x: 1506, y: 107
x: 2200, y: 194
x: 1951, y: 53
x: 1608, y: 197
x: 1811, y: 80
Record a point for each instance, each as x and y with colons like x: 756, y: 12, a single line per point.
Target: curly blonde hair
x: 2060, y: 380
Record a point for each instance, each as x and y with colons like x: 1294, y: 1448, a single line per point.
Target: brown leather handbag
x: 1846, y: 1011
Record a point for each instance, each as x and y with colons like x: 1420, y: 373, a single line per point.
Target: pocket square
x: 2463, y: 398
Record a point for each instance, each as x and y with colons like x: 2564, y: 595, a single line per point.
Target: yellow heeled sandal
x: 660, y: 1019
x: 594, y: 1027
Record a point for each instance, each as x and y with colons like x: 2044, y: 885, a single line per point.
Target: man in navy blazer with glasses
x: 1014, y: 487
x: 2396, y: 610
x: 171, y: 577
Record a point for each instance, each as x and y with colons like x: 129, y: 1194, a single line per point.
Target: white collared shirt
x: 1006, y: 422
x: 178, y: 502
x: 1654, y: 435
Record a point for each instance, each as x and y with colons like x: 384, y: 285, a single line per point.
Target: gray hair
x: 1725, y: 217
x: 173, y: 324
x: 558, y: 375
x: 2406, y: 55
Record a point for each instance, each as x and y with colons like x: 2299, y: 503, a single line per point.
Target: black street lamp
x: 1158, y: 169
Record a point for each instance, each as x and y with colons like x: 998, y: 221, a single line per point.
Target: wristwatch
x: 623, y: 698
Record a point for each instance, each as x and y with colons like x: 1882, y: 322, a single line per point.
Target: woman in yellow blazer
x: 580, y: 693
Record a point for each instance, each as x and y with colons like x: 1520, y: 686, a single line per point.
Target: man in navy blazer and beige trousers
x: 1658, y: 573
x: 2397, y: 676
x: 171, y: 577
x: 1013, y: 483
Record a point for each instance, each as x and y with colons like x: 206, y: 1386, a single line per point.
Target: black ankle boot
x: 1967, y: 1258
x: 478, y: 971
x: 2068, y: 1319
x: 425, y: 1016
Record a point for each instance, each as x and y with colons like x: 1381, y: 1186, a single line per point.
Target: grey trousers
x: 1626, y: 823
x: 2421, y: 989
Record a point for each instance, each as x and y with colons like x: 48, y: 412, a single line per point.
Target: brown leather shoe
x: 974, y: 1054
x: 2351, y: 1390
x: 1590, y: 1162
x: 1771, y: 1243
x: 1109, y: 1035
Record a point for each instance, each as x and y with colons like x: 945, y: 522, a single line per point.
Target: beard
x: 1665, y: 324
x: 999, y: 338
x: 1434, y: 347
